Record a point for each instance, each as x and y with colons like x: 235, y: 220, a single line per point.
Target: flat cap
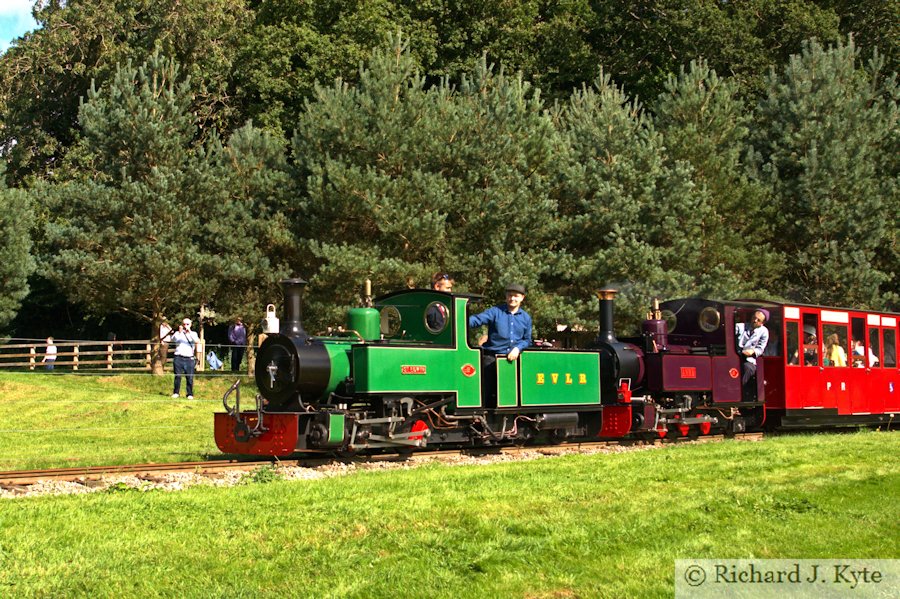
x: 515, y: 288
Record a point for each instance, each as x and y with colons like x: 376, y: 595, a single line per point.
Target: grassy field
x: 65, y: 420
x: 575, y: 526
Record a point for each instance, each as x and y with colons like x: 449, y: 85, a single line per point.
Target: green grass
x: 574, y: 526
x: 66, y: 420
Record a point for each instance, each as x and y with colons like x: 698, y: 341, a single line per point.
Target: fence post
x: 33, y: 352
x: 109, y: 356
x: 201, y: 356
x: 148, y: 349
x: 75, y: 357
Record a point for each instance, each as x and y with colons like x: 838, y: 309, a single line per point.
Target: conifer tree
x: 704, y: 123
x: 16, y: 262
x: 828, y: 137
x: 401, y: 181
x: 633, y: 220
x: 153, y: 223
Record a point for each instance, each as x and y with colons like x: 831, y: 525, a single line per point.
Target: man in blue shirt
x: 509, y: 327
x: 751, y: 343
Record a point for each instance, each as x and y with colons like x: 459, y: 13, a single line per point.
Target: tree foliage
x: 483, y: 143
x: 44, y: 77
x: 401, y: 180
x: 828, y: 140
x: 704, y: 123
x: 16, y: 262
x: 156, y: 222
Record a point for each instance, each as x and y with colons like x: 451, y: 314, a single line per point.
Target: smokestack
x: 292, y: 323
x: 607, y: 299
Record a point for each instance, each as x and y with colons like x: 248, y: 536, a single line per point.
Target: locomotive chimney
x: 292, y: 323
x: 607, y: 299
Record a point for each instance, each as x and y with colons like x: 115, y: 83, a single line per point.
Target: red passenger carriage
x: 822, y: 366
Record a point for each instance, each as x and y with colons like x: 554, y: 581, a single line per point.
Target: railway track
x: 18, y: 479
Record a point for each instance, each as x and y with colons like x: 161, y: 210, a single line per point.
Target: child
x: 50, y: 355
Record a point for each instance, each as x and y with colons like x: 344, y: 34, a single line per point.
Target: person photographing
x: 185, y: 341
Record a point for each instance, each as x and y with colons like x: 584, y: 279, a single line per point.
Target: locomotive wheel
x: 418, y: 426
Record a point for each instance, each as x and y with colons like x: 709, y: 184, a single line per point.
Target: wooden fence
x: 87, y: 355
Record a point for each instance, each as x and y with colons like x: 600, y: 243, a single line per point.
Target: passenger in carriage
x: 810, y: 348
x: 834, y: 353
x: 859, y: 352
x: 751, y: 343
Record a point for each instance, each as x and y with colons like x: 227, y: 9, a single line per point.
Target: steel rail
x: 21, y: 478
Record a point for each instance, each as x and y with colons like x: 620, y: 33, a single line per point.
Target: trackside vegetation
x: 575, y: 526
x: 753, y: 154
x: 61, y: 421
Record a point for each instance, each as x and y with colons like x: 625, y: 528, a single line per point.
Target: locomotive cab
x: 694, y: 371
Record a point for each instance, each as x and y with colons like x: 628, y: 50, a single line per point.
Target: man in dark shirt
x: 237, y: 336
x: 509, y: 326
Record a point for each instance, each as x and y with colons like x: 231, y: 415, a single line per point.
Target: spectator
x: 185, y: 341
x: 50, y: 354
x: 237, y: 336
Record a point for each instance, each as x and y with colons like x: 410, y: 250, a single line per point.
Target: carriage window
x: 793, y: 343
x: 810, y: 340
x: 890, y: 348
x: 875, y: 347
x: 390, y: 321
x: 835, y: 338
x: 857, y: 355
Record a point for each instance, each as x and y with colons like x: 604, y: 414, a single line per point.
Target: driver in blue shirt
x: 509, y: 326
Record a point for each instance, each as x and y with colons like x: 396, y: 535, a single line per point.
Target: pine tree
x: 828, y: 139
x: 633, y: 220
x: 402, y: 180
x: 153, y: 222
x: 16, y: 262
x: 705, y: 124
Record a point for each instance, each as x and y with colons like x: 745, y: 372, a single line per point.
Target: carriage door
x: 889, y: 372
x: 860, y: 397
x: 835, y: 349
x: 802, y: 388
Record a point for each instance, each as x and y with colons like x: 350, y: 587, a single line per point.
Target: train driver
x: 509, y: 326
x: 751, y: 342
